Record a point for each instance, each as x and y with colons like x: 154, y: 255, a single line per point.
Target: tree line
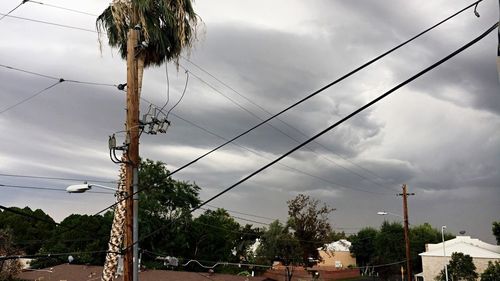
x: 168, y: 228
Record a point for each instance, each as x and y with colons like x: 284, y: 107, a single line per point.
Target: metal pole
x: 444, y: 253
x: 135, y: 235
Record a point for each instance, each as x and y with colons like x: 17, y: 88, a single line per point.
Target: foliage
x: 86, y: 236
x: 492, y: 272
x: 363, y: 245
x: 460, y: 267
x: 168, y: 26
x: 28, y: 233
x: 214, y: 236
x: 336, y: 236
x: 389, y: 248
x: 278, y: 244
x: 164, y: 201
x: 419, y: 236
x: 496, y: 231
x: 310, y: 223
x: 8, y: 268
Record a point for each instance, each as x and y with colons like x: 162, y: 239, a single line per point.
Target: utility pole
x: 132, y: 126
x: 407, y: 237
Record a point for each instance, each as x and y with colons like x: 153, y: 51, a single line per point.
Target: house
x: 433, y: 260
x: 73, y: 272
x: 336, y: 256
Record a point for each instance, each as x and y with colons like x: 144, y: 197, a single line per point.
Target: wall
x: 330, y: 258
x: 433, y: 265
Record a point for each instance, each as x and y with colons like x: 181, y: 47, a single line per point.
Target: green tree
x: 496, y: 231
x: 166, y: 26
x: 461, y: 267
x: 363, y: 245
x: 419, y: 236
x: 277, y: 243
x: 28, y: 231
x: 85, y: 235
x: 492, y: 272
x: 310, y: 224
x: 215, y: 236
x: 164, y: 201
x: 389, y: 248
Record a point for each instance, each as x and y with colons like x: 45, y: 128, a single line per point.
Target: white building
x: 433, y: 260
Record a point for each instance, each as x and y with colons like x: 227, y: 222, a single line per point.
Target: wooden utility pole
x: 407, y: 237
x: 132, y: 150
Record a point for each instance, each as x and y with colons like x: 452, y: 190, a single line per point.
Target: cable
x: 168, y: 89
x: 288, y: 125
x: 19, y: 5
x: 32, y: 96
x: 49, y: 23
x: 63, y: 8
x: 182, y: 96
x: 7, y: 209
x: 49, y: 255
x: 55, y: 78
x: 55, y: 178
x: 352, y: 114
x: 48, y: 188
x: 309, y: 96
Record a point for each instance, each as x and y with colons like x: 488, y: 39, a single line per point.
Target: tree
x: 166, y: 26
x: 389, y: 248
x: 85, y: 235
x: 215, y: 236
x: 278, y: 244
x: 8, y: 268
x: 496, y: 231
x: 310, y: 223
x: 460, y: 267
x: 492, y: 272
x: 363, y: 245
x: 421, y: 235
x: 28, y: 232
x: 164, y: 201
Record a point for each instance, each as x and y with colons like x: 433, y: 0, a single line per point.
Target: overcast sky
x: 439, y: 135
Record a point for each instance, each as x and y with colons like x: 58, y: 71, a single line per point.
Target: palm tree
x: 167, y: 28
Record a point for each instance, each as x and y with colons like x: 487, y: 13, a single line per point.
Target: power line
x: 62, y: 8
x: 306, y: 98
x: 182, y: 96
x: 49, y: 23
x: 32, y: 96
x: 55, y: 178
x: 369, y: 104
x: 56, y: 78
x: 49, y: 255
x: 15, y: 8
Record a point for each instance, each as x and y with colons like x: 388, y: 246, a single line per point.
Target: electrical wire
x: 367, y: 105
x: 62, y: 8
x: 55, y: 178
x: 182, y: 96
x: 49, y: 255
x: 15, y: 8
x: 31, y: 97
x: 168, y: 89
x: 50, y: 23
x: 300, y: 101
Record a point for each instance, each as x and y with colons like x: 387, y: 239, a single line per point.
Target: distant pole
x: 444, y: 253
x: 406, y: 231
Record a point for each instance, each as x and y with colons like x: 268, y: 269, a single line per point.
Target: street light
x: 384, y: 213
x: 81, y: 188
x: 444, y: 253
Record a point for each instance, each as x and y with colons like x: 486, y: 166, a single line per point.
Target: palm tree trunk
x: 116, y: 236
x: 140, y: 72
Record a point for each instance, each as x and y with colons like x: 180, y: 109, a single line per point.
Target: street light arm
x: 103, y: 187
x: 384, y: 213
